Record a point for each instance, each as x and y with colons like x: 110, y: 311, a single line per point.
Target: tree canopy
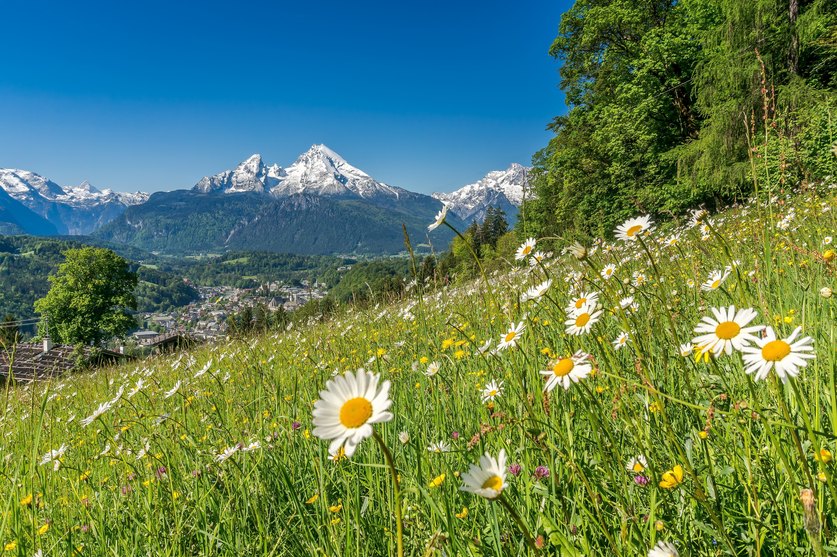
x: 669, y: 100
x: 89, y: 297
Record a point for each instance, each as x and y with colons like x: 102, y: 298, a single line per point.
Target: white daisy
x: 639, y: 279
x: 440, y: 219
x: 663, y: 549
x: 637, y: 464
x: 565, y: 371
x: 525, y: 249
x: 626, y: 302
x: 510, y: 338
x: 585, y: 298
x: 608, y: 271
x: 537, y: 291
x: 54, y: 457
x: 348, y: 407
x: 727, y: 331
x: 438, y: 447
x: 226, y: 453
x: 697, y: 217
x: 631, y: 229
x: 580, y: 321
x: 491, y: 391
x: 536, y: 258
x: 686, y: 349
x: 489, y: 478
x: 786, y: 356
x: 432, y: 369
x: 621, y: 340
x: 715, y: 280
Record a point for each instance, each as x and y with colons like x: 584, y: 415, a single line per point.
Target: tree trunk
x: 793, y: 50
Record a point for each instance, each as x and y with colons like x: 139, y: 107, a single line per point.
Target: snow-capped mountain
x: 71, y: 209
x: 252, y: 175
x: 318, y: 171
x: 501, y: 188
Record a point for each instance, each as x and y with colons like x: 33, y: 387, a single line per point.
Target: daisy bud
x: 826, y: 292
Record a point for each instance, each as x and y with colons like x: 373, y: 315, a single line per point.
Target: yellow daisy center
x: 510, y: 336
x: 580, y: 302
x: 633, y: 231
x: 638, y: 467
x: 727, y: 330
x: 527, y: 250
x: 775, y: 350
x: 494, y: 482
x: 582, y: 319
x: 563, y: 367
x: 492, y: 392
x: 715, y: 284
x: 355, y: 412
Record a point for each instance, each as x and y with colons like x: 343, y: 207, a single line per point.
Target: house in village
x: 30, y: 362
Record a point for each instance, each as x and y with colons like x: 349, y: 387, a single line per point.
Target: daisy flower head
x: 565, y: 371
x: 627, y: 303
x: 686, y: 349
x: 432, y: 369
x: 639, y: 279
x: 663, y: 549
x: 608, y: 271
x: 584, y: 298
x: 509, y: 340
x: 621, y: 340
x: 580, y: 321
x: 492, y: 390
x: 348, y: 407
x: 697, y: 217
x: 537, y: 291
x: 786, y: 356
x: 728, y: 331
x: 488, y: 479
x: 633, y: 228
x: 440, y: 218
x: 525, y: 249
x: 438, y: 447
x: 715, y: 280
x: 536, y: 258
x: 637, y: 464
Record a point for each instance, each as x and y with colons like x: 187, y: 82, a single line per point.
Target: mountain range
x: 72, y: 210
x: 319, y: 204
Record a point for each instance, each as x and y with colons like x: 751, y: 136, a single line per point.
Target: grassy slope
x: 142, y: 478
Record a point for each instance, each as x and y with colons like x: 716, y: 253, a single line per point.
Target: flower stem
x: 396, y: 487
x: 519, y: 521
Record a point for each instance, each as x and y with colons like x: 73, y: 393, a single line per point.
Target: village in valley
x: 208, y: 318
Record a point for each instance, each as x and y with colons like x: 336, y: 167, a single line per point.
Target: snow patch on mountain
x: 72, y: 209
x: 318, y: 171
x: 505, y: 189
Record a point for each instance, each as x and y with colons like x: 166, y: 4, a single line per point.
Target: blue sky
x: 154, y: 95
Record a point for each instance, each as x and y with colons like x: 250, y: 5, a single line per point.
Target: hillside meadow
x: 611, y: 426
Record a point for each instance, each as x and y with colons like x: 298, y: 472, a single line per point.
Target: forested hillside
x: 26, y: 262
x: 678, y: 104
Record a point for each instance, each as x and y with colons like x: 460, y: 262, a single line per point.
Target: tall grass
x: 149, y: 475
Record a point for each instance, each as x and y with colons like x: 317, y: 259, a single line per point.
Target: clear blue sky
x: 154, y: 95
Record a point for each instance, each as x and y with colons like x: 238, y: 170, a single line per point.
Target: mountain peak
x: 505, y: 189
x: 324, y: 150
